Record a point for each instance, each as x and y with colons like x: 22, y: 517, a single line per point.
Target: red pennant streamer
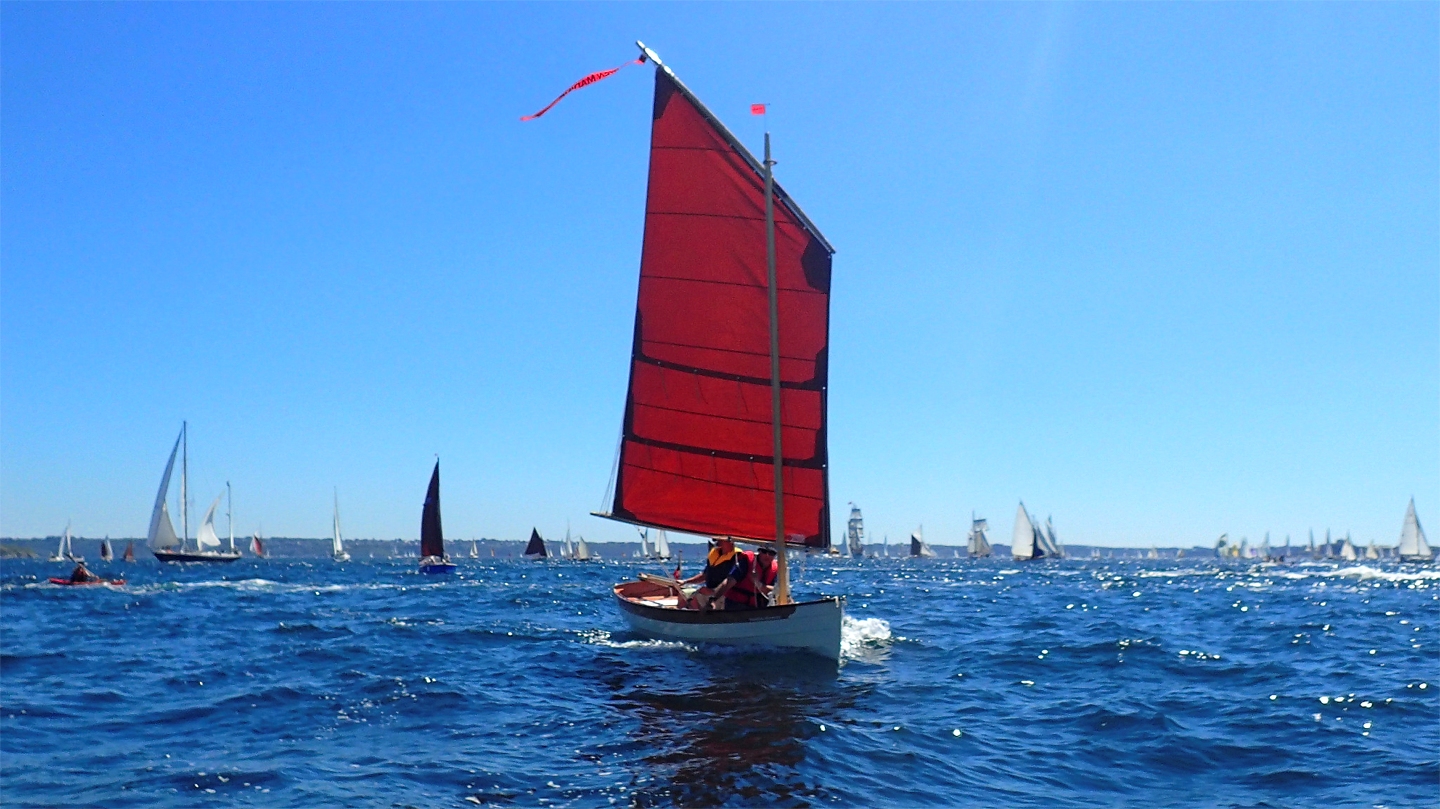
x: 585, y: 82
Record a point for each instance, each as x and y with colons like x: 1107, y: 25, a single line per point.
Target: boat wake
x: 861, y: 635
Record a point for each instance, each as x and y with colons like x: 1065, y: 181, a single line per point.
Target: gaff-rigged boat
x: 732, y: 328
x: 432, y: 537
x: 535, y: 549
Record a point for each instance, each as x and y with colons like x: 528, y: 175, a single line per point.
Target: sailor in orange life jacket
x: 715, y: 576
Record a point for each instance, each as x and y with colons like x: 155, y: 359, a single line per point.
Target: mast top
x: 785, y: 199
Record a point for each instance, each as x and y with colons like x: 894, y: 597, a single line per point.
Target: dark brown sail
x: 536, y: 548
x: 432, y: 542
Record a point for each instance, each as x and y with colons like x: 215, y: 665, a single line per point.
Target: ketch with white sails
x: 163, y: 543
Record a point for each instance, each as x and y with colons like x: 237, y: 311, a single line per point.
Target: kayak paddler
x: 81, y: 576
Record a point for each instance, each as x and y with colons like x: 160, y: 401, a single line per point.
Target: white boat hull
x: 812, y: 626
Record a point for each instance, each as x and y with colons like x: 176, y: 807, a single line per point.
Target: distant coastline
x: 316, y: 548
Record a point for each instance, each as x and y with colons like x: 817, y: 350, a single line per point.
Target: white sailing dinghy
x: 661, y: 550
x: 918, y: 548
x: 163, y: 543
x: 731, y: 329
x: 977, y: 545
x: 1413, y: 547
x: 64, y: 553
x: 474, y: 549
x: 337, y: 544
x: 1347, y: 549
x: 855, y: 533
x: 106, y: 552
x: 582, y: 550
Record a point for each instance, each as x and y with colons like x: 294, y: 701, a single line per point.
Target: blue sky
x: 1161, y: 270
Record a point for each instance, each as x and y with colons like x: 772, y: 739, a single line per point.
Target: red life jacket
x: 742, y: 592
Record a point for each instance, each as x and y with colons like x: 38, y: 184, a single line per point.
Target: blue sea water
x: 310, y: 683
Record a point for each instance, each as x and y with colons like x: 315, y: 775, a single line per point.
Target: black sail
x: 432, y: 542
x: 537, y: 545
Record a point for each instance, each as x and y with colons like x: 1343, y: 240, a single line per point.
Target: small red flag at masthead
x: 757, y: 109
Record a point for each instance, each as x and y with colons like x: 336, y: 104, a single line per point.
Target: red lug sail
x: 696, y: 453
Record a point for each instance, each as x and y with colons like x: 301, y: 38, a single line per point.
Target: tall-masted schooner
x: 732, y: 328
x: 163, y: 543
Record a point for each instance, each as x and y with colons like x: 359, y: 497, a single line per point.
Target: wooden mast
x: 782, y: 578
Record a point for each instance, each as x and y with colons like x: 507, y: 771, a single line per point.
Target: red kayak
x: 69, y: 583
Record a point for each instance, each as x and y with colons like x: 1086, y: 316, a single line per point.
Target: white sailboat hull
x: 812, y: 626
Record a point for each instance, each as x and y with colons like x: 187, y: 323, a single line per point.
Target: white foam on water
x: 1368, y: 572
x: 600, y: 637
x: 858, y: 634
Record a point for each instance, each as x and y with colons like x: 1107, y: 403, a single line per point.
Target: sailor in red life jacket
x: 739, y: 588
x: 766, y: 574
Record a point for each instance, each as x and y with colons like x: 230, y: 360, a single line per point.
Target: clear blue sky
x: 1162, y: 270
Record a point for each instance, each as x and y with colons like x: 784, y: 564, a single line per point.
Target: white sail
x: 918, y: 546
x: 644, y: 544
x: 1022, y: 542
x: 337, y: 543
x: 206, y: 537
x: 105, y: 552
x: 662, y: 546
x: 474, y: 550
x: 979, y: 545
x: 1412, y: 537
x: 62, y: 551
x: 1052, y: 545
x: 1370, y: 552
x: 582, y: 550
x: 1347, y: 549
x: 162, y: 531
x: 855, y: 532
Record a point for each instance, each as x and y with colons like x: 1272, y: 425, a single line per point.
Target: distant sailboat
x: 432, y: 536
x: 129, y: 552
x: 662, y: 546
x: 978, y: 546
x: 163, y: 543
x: 582, y: 550
x: 1180, y: 553
x: 536, y: 548
x: 64, y: 553
x: 1052, y: 545
x: 855, y: 533
x: 257, y: 547
x: 644, y: 552
x: 1347, y: 549
x: 105, y: 553
x: 567, y: 551
x: 1024, y: 541
x: 918, y: 548
x: 337, y: 544
x: 1154, y: 553
x: 474, y: 550
x: 1413, y: 547
x: 1370, y: 552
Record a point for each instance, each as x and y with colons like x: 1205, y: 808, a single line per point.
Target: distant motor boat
x: 163, y: 543
x: 432, y: 537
